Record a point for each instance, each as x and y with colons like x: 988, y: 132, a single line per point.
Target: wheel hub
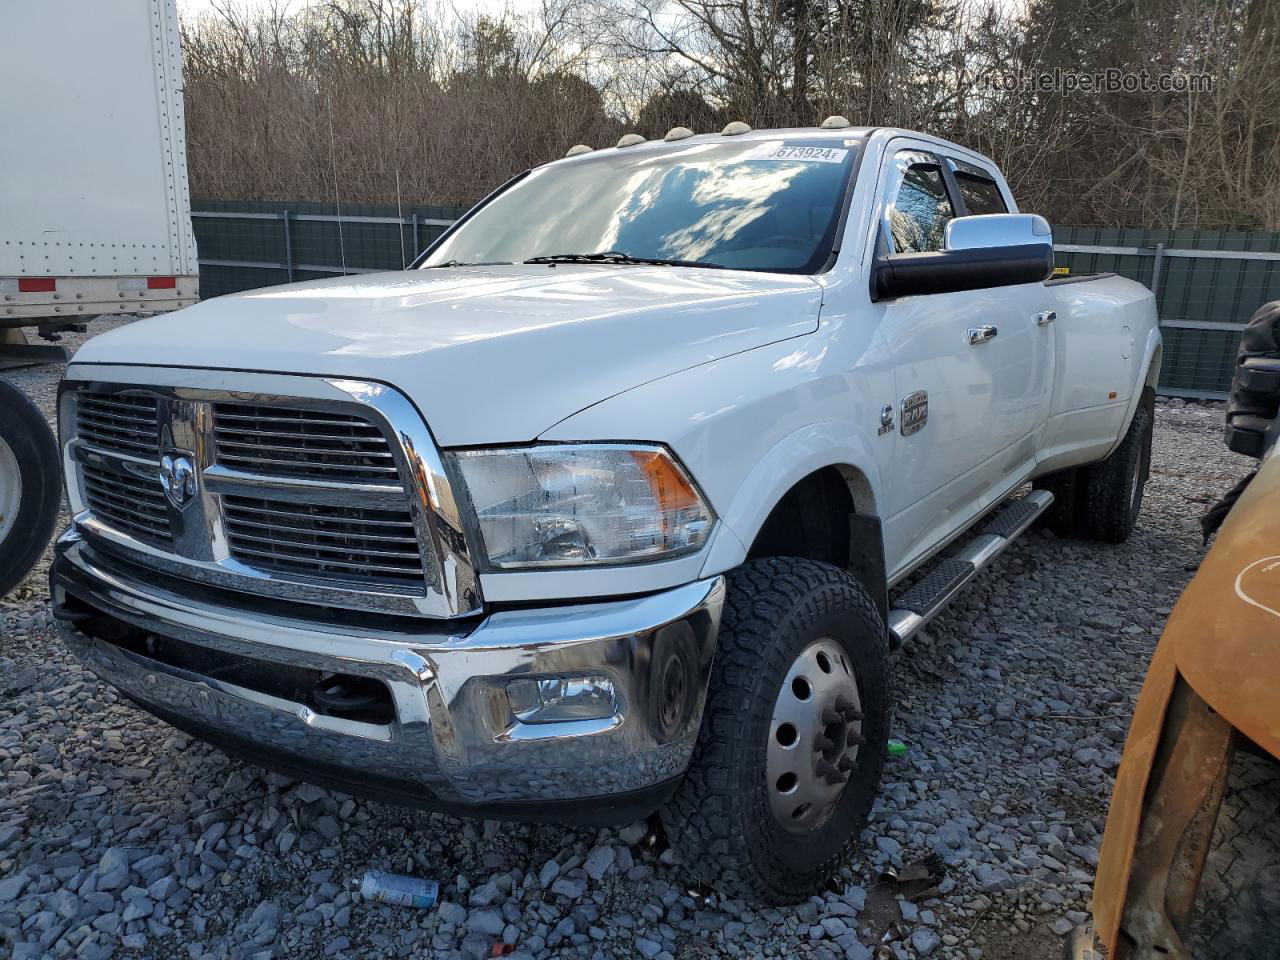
x: 814, y: 736
x: 10, y: 489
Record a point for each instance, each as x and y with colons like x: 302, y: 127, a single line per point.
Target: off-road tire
x: 24, y: 430
x: 719, y: 821
x: 1101, y: 501
x: 1111, y: 491
x: 1062, y: 517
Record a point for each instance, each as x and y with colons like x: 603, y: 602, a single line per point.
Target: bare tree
x: 361, y: 97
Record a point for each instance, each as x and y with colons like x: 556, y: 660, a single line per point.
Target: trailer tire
x: 30, y: 486
x: 786, y: 622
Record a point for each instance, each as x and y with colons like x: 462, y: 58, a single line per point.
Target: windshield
x: 757, y: 205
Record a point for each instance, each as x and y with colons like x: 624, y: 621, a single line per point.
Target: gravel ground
x: 122, y: 837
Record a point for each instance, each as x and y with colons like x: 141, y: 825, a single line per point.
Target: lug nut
x: 822, y: 743
x: 845, y: 765
x: 830, y: 716
x: 848, y: 709
x: 831, y: 773
x: 854, y: 739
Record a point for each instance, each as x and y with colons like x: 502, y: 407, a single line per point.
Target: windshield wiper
x: 617, y: 256
x: 475, y: 263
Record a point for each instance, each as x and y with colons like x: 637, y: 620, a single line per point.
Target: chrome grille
x: 130, y: 503
x: 124, y: 422
x: 283, y: 442
x: 345, y: 543
x: 300, y: 491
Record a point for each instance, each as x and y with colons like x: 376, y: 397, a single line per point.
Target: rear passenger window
x: 918, y: 218
x: 980, y: 193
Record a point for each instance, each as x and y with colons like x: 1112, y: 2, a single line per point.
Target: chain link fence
x: 1207, y: 282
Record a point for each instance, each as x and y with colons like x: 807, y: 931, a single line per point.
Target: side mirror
x: 991, y: 250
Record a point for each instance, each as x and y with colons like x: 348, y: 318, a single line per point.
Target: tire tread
x: 705, y: 816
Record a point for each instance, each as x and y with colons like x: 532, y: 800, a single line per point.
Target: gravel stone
x: 488, y: 922
x: 924, y: 941
x: 599, y: 862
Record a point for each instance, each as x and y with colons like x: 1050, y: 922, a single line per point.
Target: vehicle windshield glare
x: 770, y: 205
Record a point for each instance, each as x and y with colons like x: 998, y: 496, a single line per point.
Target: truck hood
x: 489, y: 354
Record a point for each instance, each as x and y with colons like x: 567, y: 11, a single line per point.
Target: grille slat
x: 285, y: 448
x: 374, y: 438
x: 125, y: 423
x: 298, y: 443
x: 360, y: 569
x: 289, y: 466
x: 315, y: 546
x: 315, y: 540
x: 227, y: 412
x: 285, y: 528
x: 132, y: 504
x: 289, y: 511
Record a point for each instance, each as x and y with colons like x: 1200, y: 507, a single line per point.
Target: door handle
x: 981, y: 334
x: 1046, y: 317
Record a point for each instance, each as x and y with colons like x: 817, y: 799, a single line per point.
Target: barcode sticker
x: 782, y: 151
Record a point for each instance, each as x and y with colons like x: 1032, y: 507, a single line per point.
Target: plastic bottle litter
x: 897, y: 748
x: 398, y: 889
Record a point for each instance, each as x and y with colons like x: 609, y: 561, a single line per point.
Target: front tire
x: 792, y: 743
x: 30, y: 486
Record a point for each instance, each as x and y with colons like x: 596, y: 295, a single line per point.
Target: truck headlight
x: 582, y: 504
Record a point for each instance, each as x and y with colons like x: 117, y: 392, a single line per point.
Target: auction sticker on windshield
x: 782, y: 151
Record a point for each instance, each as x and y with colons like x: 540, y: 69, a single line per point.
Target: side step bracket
x: 929, y: 595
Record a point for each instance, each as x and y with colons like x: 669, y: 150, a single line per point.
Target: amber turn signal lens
x: 670, y: 487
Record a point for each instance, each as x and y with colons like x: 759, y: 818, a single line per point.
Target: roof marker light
x: 678, y: 133
x: 630, y: 140
x: 836, y: 122
x: 578, y: 149
x: 737, y: 128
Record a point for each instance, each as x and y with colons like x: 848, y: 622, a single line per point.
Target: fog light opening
x: 562, y: 699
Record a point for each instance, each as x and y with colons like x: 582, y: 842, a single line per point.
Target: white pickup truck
x: 619, y: 499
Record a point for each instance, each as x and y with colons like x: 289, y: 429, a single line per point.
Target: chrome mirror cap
x: 997, y: 230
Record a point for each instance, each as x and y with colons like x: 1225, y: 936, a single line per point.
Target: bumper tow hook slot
x: 347, y: 696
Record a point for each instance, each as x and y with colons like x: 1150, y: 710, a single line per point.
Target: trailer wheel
x: 792, y: 744
x: 30, y: 486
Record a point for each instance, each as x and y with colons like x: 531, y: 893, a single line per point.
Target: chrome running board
x: 929, y: 596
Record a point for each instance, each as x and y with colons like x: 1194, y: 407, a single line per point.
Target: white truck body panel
x: 755, y: 380
x: 94, y: 159
x: 457, y: 340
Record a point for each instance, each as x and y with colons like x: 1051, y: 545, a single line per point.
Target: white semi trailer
x: 95, y: 210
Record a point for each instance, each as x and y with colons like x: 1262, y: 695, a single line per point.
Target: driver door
x: 965, y: 368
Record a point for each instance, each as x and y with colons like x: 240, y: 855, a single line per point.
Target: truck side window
x: 919, y: 215
x: 980, y: 194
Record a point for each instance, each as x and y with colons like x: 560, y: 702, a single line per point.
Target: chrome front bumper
x: 454, y: 742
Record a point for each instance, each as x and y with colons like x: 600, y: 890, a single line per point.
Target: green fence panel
x: 261, y: 247
x: 1201, y: 301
